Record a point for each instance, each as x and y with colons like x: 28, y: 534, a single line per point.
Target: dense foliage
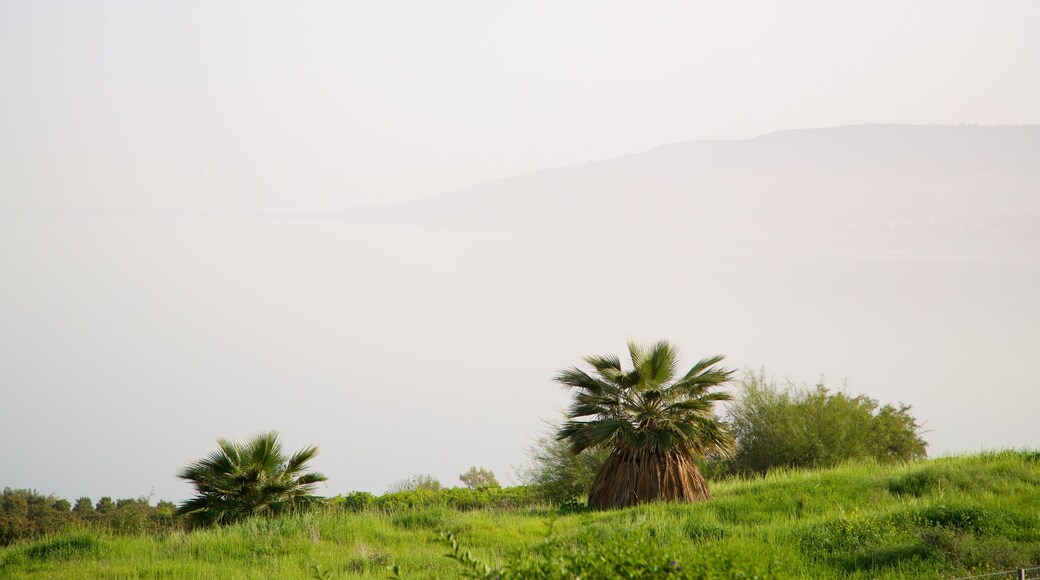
x: 24, y: 514
x: 655, y: 421
x: 246, y: 479
x: 815, y: 427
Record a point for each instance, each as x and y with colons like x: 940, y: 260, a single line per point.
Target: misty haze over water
x: 401, y: 350
x: 381, y: 228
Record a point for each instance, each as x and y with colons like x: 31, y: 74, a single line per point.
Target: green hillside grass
x: 945, y: 517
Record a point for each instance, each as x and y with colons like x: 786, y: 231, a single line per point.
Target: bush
x: 24, y: 513
x: 478, y: 477
x: 405, y: 500
x: 556, y: 474
x: 355, y: 501
x: 421, y: 481
x: 814, y: 427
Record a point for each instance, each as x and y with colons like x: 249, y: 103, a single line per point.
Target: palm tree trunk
x: 629, y: 477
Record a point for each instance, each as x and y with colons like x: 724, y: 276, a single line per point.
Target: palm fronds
x: 647, y: 418
x: 252, y: 478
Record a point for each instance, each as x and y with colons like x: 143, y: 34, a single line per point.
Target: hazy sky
x: 129, y: 344
x: 324, y: 105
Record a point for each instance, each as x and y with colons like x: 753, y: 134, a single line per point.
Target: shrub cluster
x: 775, y: 426
x: 814, y: 427
x: 556, y: 474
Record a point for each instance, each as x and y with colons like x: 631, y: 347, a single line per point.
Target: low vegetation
x: 946, y: 517
x: 806, y: 483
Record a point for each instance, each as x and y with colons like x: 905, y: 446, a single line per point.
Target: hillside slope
x: 930, y: 178
x: 947, y: 517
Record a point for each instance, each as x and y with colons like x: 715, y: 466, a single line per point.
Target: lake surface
x: 129, y: 344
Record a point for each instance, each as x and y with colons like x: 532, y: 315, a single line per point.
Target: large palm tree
x: 252, y: 478
x: 653, y: 421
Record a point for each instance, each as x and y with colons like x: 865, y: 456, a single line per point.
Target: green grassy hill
x: 946, y: 517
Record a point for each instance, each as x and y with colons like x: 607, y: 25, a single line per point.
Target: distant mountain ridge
x: 928, y: 178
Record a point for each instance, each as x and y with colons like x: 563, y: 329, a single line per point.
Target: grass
x: 946, y: 517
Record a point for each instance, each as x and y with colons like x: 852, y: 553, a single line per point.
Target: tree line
x: 26, y: 513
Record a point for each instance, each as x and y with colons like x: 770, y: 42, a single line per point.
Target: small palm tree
x: 254, y: 478
x: 653, y: 424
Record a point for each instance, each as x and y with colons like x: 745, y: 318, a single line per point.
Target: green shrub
x: 355, y: 501
x: 814, y: 427
x: 478, y: 477
x: 572, y: 506
x: 556, y: 473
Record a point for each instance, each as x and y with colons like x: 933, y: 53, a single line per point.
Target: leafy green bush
x: 814, y: 427
x: 556, y: 473
x: 478, y: 477
x: 407, y: 500
x: 572, y: 506
x: 355, y: 501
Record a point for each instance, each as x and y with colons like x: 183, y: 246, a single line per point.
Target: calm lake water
x: 127, y: 345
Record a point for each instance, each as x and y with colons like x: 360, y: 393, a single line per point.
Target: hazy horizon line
x: 336, y: 214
